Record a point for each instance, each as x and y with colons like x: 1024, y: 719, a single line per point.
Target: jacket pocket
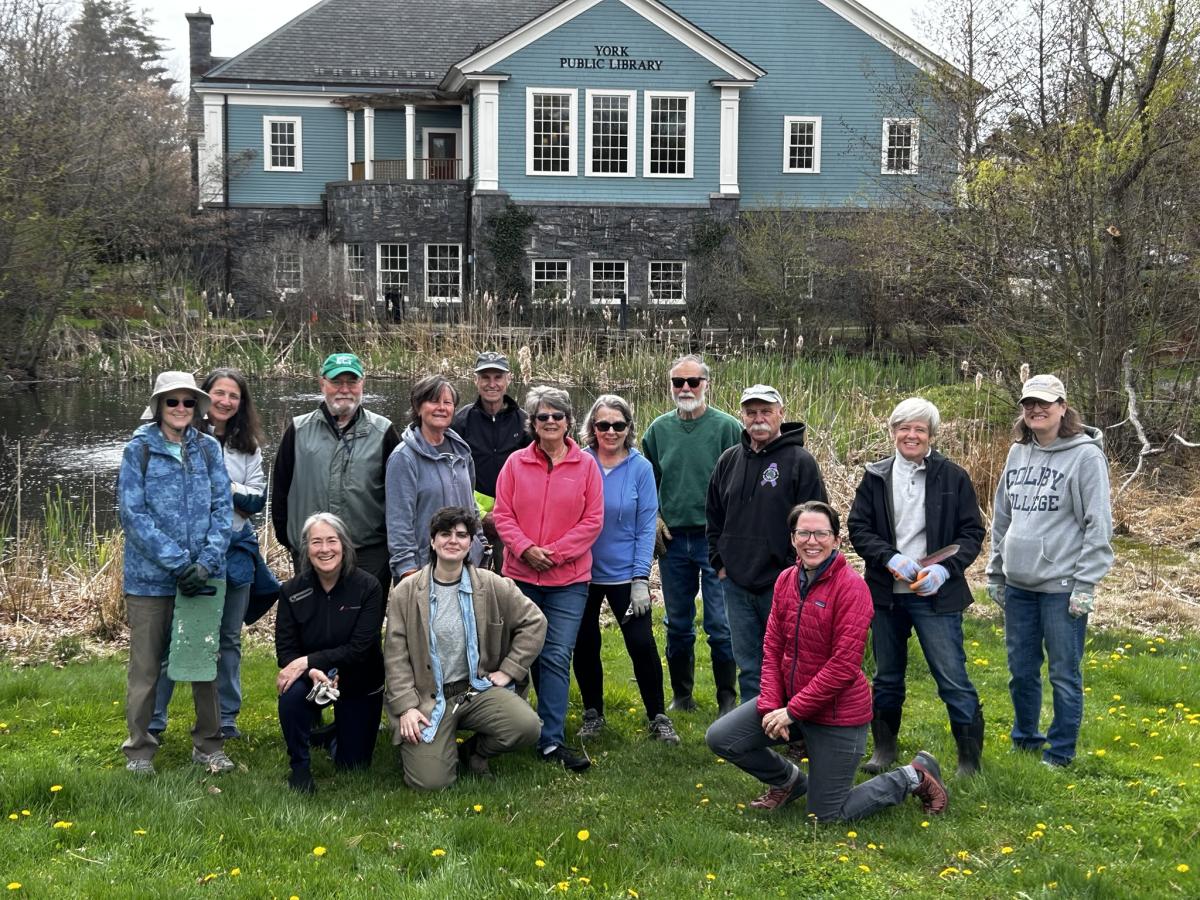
x: 1025, y: 560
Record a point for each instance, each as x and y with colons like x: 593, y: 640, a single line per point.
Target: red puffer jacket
x: 812, y: 662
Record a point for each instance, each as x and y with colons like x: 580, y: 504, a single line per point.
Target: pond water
x: 69, y: 436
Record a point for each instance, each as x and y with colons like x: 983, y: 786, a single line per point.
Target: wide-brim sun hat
x: 176, y: 381
x: 1044, y: 387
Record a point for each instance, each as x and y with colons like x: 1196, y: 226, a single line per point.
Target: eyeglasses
x: 1031, y: 402
x: 822, y: 535
x: 546, y: 417
x: 693, y: 382
x: 173, y: 402
x: 618, y: 427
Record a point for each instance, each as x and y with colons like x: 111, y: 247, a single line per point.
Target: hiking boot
x: 140, y: 767
x: 930, y: 790
x: 781, y: 796
x: 570, y: 758
x: 682, y: 670
x: 216, y: 762
x: 593, y: 724
x: 969, y: 739
x: 663, y: 729
x: 725, y: 679
x: 471, y: 759
x: 301, y: 781
x: 884, y: 727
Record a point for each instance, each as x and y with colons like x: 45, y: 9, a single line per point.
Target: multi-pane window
x: 798, y: 277
x: 356, y: 270
x: 610, y: 132
x: 289, y: 271
x: 667, y: 281
x: 900, y: 145
x: 393, y: 272
x: 551, y: 279
x: 443, y: 273
x: 610, y: 280
x: 550, y: 131
x: 802, y: 144
x: 281, y: 143
x: 668, y: 143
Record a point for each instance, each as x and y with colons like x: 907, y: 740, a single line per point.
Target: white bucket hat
x: 176, y: 381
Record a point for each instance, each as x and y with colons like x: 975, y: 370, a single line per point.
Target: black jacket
x: 341, y: 629
x: 492, y: 439
x: 951, y: 517
x: 750, y: 495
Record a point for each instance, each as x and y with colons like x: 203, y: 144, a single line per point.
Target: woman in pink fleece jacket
x: 549, y: 511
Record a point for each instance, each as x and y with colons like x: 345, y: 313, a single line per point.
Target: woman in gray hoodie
x: 1051, y: 545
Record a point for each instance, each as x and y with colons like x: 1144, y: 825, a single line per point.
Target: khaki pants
x: 149, y: 637
x: 501, y: 720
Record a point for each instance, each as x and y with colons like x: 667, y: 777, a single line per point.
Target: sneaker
x: 231, y: 733
x: 930, y: 789
x: 471, y: 760
x: 301, y: 781
x: 593, y: 724
x: 571, y: 758
x: 663, y: 729
x: 140, y: 767
x: 683, y: 703
x: 216, y: 762
x: 781, y: 796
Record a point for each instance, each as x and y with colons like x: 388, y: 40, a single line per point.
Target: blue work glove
x: 193, y: 580
x: 930, y: 580
x: 995, y: 592
x: 903, y: 568
x: 1080, y: 604
x: 639, y: 598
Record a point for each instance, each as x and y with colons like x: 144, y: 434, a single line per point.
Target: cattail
x: 525, y: 360
x: 978, y: 381
x: 1024, y: 372
x: 964, y: 367
x: 998, y: 377
x: 799, y: 342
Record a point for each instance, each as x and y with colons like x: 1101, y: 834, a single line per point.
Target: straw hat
x: 176, y: 381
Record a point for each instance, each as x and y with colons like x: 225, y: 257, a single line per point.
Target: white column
x: 487, y: 120
x: 210, y: 152
x: 349, y: 145
x: 465, y: 152
x: 369, y: 143
x: 410, y: 137
x: 730, y: 103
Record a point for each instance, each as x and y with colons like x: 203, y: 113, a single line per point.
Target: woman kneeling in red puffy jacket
x: 814, y: 690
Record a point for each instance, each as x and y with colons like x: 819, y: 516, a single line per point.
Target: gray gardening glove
x: 639, y: 598
x: 995, y: 592
x: 1081, y: 604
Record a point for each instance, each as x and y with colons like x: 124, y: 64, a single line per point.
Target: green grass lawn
x: 646, y: 821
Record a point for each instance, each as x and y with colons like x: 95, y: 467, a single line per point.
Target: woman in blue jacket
x: 176, y: 513
x: 621, y: 560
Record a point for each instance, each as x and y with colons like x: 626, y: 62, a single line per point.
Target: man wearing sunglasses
x: 683, y: 446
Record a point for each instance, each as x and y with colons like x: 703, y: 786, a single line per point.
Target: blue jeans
x: 747, y: 613
x: 229, y: 665
x: 941, y: 639
x: 1032, y: 620
x: 551, y: 671
x: 685, y: 564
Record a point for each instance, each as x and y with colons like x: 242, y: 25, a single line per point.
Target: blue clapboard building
x: 400, y: 130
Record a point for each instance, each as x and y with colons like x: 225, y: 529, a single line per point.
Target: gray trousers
x: 834, y: 752
x: 149, y: 637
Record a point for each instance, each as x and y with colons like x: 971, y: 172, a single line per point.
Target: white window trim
x: 916, y: 146
x: 533, y: 276
x: 572, y: 129
x: 788, y: 169
x: 443, y: 301
x: 807, y: 292
x: 682, y: 301
x: 592, y: 282
x: 647, y: 96
x: 379, y: 269
x: 299, y: 271
x: 347, y: 269
x: 298, y: 122
x: 631, y: 145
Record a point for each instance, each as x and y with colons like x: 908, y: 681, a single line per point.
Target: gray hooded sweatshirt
x: 1052, y: 520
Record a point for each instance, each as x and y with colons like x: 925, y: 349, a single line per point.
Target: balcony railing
x: 426, y: 169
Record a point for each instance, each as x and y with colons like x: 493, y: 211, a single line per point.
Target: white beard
x: 689, y: 406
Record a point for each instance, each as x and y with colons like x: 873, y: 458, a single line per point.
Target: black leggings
x: 639, y: 641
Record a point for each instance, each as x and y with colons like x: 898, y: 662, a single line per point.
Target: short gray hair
x: 587, y: 434
x: 915, y: 409
x: 690, y: 358
x: 544, y: 395
x: 349, y: 557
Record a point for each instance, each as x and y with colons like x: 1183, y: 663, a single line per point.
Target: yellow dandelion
x: 632, y: 893
x: 1158, y: 759
x: 872, y: 846
x: 563, y: 885
x: 437, y: 852
x: 14, y: 885
x: 851, y: 834
x: 1006, y: 850
x: 1053, y: 885
x: 3, y: 724
x: 583, y: 879
x: 1100, y: 752
x: 1070, y: 787
x: 843, y: 858
x: 741, y: 806
x: 478, y: 807
x: 139, y: 831
x: 13, y: 816
x: 962, y: 854
x: 1183, y: 868
x: 711, y: 877
x: 235, y: 871
x: 61, y: 824
x: 704, y: 801
x: 925, y: 824
x: 864, y: 868
x: 319, y: 851
x: 1041, y: 826
x: 583, y: 834
x: 55, y: 788
x: 540, y: 863
x: 55, y: 731
x: 209, y: 877
x: 1116, y: 696
x: 948, y: 871
x: 720, y: 762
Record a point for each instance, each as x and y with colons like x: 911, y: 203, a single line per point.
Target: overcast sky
x: 239, y: 24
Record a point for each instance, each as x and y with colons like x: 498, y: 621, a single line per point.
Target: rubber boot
x: 725, y: 678
x: 682, y: 669
x: 969, y: 738
x: 884, y: 728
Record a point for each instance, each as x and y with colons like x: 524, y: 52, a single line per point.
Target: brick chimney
x: 200, y: 43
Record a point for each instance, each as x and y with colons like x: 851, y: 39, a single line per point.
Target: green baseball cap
x: 337, y: 363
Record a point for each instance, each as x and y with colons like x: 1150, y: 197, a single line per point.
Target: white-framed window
x: 356, y: 270
x: 901, y: 141
x: 551, y: 123
x: 611, y: 132
x: 392, y: 272
x: 283, y: 144
x: 668, y: 134
x: 798, y: 277
x: 289, y: 271
x: 667, y: 281
x: 551, y: 280
x: 802, y: 144
x: 443, y: 273
x: 610, y: 280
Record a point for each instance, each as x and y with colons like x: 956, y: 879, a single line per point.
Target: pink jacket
x: 814, y: 665
x: 559, y: 508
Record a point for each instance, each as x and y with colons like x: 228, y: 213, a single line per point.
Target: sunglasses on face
x: 1032, y: 402
x: 618, y: 427
x: 693, y: 382
x: 546, y: 417
x: 173, y: 402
